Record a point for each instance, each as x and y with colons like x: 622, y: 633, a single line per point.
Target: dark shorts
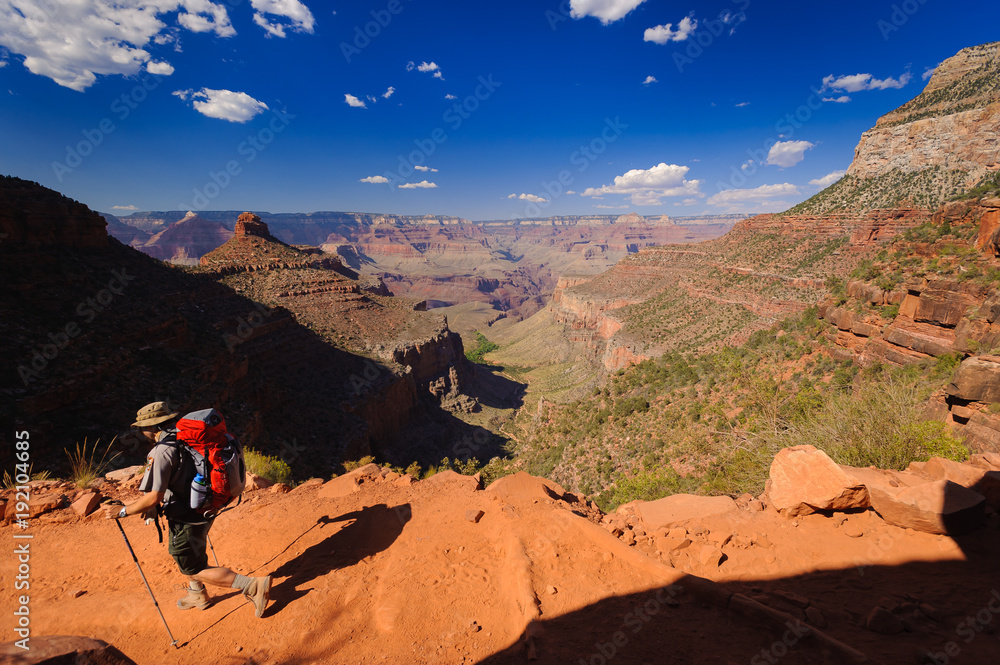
x: 188, y: 543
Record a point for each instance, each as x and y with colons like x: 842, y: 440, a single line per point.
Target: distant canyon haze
x: 493, y: 269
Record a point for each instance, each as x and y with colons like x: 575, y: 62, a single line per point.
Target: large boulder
x: 679, y: 508
x: 60, y: 649
x: 977, y: 380
x: 805, y: 480
x: 939, y: 506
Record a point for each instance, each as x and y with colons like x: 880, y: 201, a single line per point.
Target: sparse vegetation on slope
x: 920, y: 189
x: 711, y: 423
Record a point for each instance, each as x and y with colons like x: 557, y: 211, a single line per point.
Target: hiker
x: 165, y: 478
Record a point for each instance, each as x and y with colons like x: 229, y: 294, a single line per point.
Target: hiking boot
x: 257, y: 593
x: 195, y: 598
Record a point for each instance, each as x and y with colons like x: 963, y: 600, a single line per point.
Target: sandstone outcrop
x: 939, y: 506
x: 249, y: 224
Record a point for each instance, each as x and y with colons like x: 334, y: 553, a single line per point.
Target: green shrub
x: 268, y: 467
x: 357, y: 464
x: 483, y: 346
x: 646, y: 485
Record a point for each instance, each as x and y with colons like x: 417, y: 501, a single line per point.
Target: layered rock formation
x: 941, y: 143
x: 510, y: 265
x: 92, y: 330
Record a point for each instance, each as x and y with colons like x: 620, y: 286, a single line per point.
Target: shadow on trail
x: 944, y: 612
x: 367, y: 532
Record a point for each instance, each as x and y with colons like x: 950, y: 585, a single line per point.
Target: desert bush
x: 881, y: 423
x: 268, y: 467
x: 84, y: 466
x: 351, y: 465
x: 9, y: 482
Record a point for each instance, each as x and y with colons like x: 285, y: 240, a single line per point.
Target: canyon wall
x: 93, y: 330
x: 937, y: 145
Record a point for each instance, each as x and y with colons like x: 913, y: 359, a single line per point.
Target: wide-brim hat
x: 154, y: 414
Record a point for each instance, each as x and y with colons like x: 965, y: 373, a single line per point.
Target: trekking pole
x: 173, y: 642
x: 212, y: 547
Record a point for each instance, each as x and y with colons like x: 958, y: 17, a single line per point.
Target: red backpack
x: 217, y: 457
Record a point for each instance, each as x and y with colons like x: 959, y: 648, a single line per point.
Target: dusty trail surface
x: 372, y: 568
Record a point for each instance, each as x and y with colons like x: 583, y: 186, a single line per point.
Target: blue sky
x: 480, y: 110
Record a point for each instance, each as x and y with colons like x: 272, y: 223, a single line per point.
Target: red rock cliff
x: 33, y: 216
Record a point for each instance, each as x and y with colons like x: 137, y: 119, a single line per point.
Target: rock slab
x: 679, y: 508
x: 59, y: 649
x: 940, y: 507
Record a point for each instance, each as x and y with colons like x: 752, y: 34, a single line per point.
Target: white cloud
x: 859, y: 82
x: 528, y: 197
x: 73, y: 42
x: 128, y: 207
x: 201, y: 16
x: 354, y: 101
x: 425, y: 169
x: 375, y: 179
x: 388, y: 93
x: 650, y: 79
x: 608, y: 11
x: 570, y: 191
x: 3, y: 63
x: 426, y: 67
x: 788, y: 153
x: 742, y: 104
x: 450, y: 97
x: 762, y: 193
x: 843, y: 99
x: 298, y: 16
x: 423, y: 184
x: 159, y: 68
x: 647, y: 187
x: 662, y: 34
x: 604, y: 207
x: 828, y: 179
x: 689, y: 202
x: 223, y: 104
x: 929, y: 72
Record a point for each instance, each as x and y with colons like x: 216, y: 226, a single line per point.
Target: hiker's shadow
x: 368, y: 531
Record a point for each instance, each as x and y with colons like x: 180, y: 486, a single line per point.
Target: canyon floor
x: 376, y: 568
